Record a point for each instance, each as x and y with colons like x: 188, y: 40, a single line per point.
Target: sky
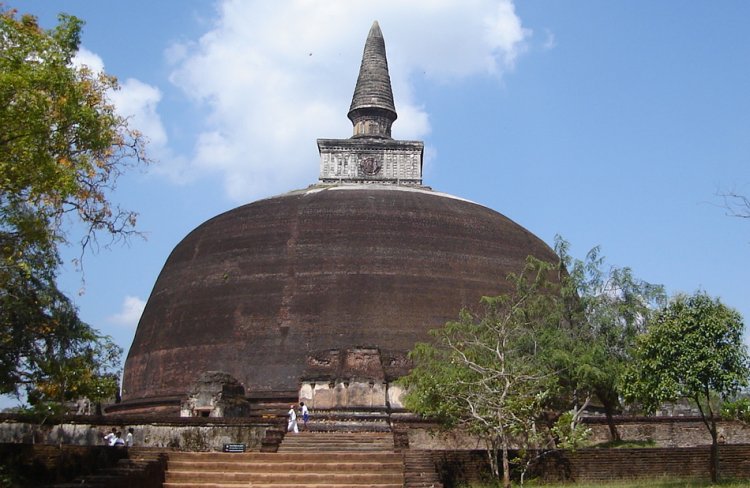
x: 613, y: 124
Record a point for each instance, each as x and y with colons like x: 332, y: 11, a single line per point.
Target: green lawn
x: 647, y: 484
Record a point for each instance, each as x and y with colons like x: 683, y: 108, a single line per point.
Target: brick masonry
x: 591, y: 465
x: 617, y: 464
x: 662, y: 431
x: 669, y: 431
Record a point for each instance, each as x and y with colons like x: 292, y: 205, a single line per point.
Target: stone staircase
x: 143, y: 467
x: 359, y: 420
x: 419, y: 470
x: 307, y: 459
x: 313, y: 441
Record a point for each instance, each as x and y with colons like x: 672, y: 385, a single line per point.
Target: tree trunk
x: 714, y: 453
x: 609, y: 408
x: 506, y: 464
x: 614, y: 434
x: 492, y: 453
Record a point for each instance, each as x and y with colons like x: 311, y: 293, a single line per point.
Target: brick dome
x: 324, y: 285
x: 256, y: 291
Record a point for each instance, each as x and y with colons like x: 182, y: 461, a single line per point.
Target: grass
x: 660, y: 483
x: 655, y: 484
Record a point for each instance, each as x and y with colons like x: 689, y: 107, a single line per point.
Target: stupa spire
x: 372, y: 111
x: 371, y: 155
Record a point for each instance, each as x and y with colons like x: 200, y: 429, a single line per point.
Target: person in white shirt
x: 305, y: 413
x: 119, y: 441
x: 292, y: 424
x: 109, y: 439
x: 129, y: 438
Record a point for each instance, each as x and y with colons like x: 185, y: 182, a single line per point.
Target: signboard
x: 234, y: 447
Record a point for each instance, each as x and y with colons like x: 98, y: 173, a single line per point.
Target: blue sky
x: 610, y: 123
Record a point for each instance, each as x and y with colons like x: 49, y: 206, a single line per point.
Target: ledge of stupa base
x: 162, y: 406
x: 349, y: 420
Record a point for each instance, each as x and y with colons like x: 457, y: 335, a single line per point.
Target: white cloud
x: 84, y: 57
x: 130, y: 313
x: 135, y: 100
x: 550, y: 41
x: 274, y: 76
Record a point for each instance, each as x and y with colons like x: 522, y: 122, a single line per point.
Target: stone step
x: 285, y: 478
x: 265, y: 467
x: 301, y: 457
x: 419, y: 470
x: 281, y: 485
x: 301, y: 439
x: 336, y: 441
x: 349, y: 436
x: 337, y: 447
x: 307, y: 459
x: 332, y: 449
x: 380, y: 444
x: 347, y: 421
x: 348, y: 426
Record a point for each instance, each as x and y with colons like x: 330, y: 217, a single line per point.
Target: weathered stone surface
x: 372, y: 111
x: 215, y: 394
x: 180, y: 436
x: 395, y: 395
x: 256, y: 290
x: 357, y: 374
x: 371, y: 161
x: 344, y: 365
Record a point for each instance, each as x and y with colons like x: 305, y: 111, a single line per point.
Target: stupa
x: 320, y: 293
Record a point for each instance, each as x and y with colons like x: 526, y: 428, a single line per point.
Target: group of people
x: 304, y: 413
x: 114, y: 438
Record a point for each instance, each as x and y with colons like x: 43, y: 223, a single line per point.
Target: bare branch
x: 736, y: 204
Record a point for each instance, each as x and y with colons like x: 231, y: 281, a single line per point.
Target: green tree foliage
x: 485, y: 374
x: 69, y: 360
x: 525, y: 368
x: 692, y: 350
x: 607, y: 308
x: 62, y: 145
x: 62, y: 148
x: 738, y: 409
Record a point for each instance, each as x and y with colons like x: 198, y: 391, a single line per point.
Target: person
x: 129, y: 437
x: 109, y: 439
x: 83, y: 406
x: 119, y: 441
x: 305, y: 413
x: 292, y: 425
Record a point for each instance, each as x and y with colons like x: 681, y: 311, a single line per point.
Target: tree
x: 62, y: 149
x: 70, y: 360
x: 693, y: 350
x: 484, y: 374
x: 527, y: 367
x: 608, y: 308
x: 736, y: 204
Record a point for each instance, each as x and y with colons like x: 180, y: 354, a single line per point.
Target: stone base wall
x: 669, y: 431
x: 458, y: 468
x: 662, y: 431
x: 42, y: 465
x: 619, y: 464
x: 189, y: 435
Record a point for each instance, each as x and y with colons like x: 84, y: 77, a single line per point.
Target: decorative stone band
x: 352, y: 393
x: 370, y: 160
x: 353, y: 377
